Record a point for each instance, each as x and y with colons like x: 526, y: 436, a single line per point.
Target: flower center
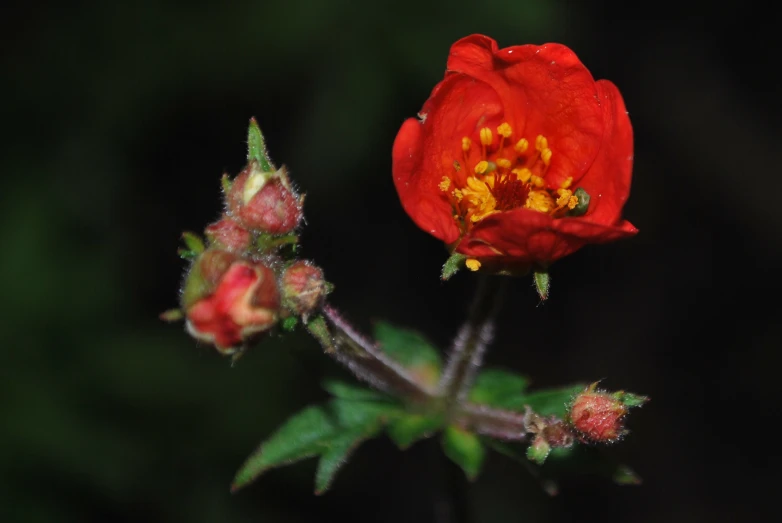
x: 509, y: 174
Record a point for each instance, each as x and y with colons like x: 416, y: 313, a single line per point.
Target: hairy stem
x: 363, y: 358
x: 466, y: 355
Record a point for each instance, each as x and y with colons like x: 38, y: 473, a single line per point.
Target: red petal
x: 608, y: 179
x: 544, y: 90
x: 425, y: 151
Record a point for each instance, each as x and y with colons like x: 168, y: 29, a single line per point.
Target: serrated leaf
x: 336, y: 455
x: 465, y: 449
x: 548, y: 402
x: 407, y: 347
x: 349, y: 391
x: 498, y: 388
x: 302, y: 436
x: 363, y: 414
x: 452, y: 265
x: 409, y: 428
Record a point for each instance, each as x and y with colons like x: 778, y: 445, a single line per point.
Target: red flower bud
x: 598, y: 416
x: 228, y: 234
x: 205, y: 274
x: 303, y: 287
x: 244, y: 303
x: 264, y: 201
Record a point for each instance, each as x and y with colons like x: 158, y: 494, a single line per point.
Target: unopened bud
x: 598, y: 416
x: 244, y: 304
x: 204, y: 275
x: 303, y: 288
x: 264, y: 201
x: 228, y: 234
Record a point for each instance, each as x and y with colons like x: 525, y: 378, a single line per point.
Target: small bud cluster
x: 245, y: 277
x: 549, y: 433
x: 598, y: 416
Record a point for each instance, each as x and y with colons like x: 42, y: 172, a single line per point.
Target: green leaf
x: 193, y: 242
x: 542, y: 283
x: 629, y: 399
x: 465, y: 449
x: 409, y: 428
x: 363, y: 414
x: 407, y: 347
x: 302, y: 436
x: 336, y: 455
x: 348, y: 391
x: 256, y: 147
x: 548, y: 402
x: 498, y: 388
x: 452, y: 265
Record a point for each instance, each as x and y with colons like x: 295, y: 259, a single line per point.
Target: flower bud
x: 227, y: 233
x: 205, y: 273
x: 264, y: 201
x: 303, y: 288
x: 243, y: 304
x: 598, y: 416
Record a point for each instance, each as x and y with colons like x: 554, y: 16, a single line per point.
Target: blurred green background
x: 118, y: 120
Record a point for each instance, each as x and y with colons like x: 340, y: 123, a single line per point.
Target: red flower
x: 244, y: 303
x: 518, y: 158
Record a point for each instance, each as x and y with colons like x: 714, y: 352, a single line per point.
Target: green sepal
x: 465, y: 449
x: 542, y: 283
x: 172, y: 315
x: 193, y: 242
x: 452, y: 265
x: 289, y: 324
x: 629, y: 399
x: 583, y: 203
x: 498, y: 388
x: 409, y: 428
x: 226, y: 183
x: 538, y: 451
x: 256, y: 148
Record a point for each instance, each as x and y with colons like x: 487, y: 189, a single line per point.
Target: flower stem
x: 466, y: 355
x: 363, y: 358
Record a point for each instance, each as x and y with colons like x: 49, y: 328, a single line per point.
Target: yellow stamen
x: 539, y: 201
x: 481, y: 167
x: 545, y: 155
x: 537, y: 181
x: 486, y: 136
x: 503, y: 162
x: 480, y: 200
x: 505, y: 130
x: 473, y: 264
x: 567, y: 183
x: 466, y: 142
x: 458, y: 195
x: 564, y: 197
x: 541, y: 143
x: 445, y: 184
x: 573, y: 202
x: 521, y: 146
x: 523, y: 174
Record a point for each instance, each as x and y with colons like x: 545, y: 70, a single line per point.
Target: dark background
x: 118, y: 121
